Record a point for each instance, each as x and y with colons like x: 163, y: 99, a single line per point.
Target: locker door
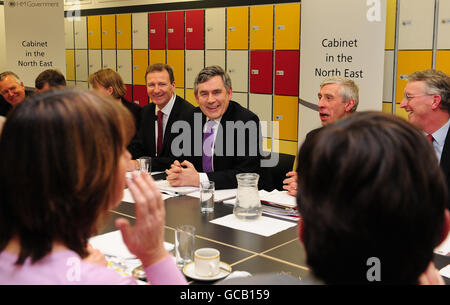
x: 157, y: 56
x: 388, y: 79
x: 407, y: 63
x: 140, y: 63
x: 190, y: 97
x: 391, y: 13
x: 94, y: 32
x: 287, y: 72
x: 140, y: 95
x: 215, y: 28
x: 416, y: 25
x: 70, y: 65
x: 237, y: 67
x: 81, y: 65
x: 241, y: 98
x: 109, y: 59
x: 109, y: 32
x: 261, y: 104
x: 80, y: 28
x: 140, y: 30
x: 285, y: 111
x: 157, y: 31
x: 261, y: 27
x: 124, y: 65
x: 129, y: 94
x: 443, y: 37
x: 95, y: 61
x: 179, y: 92
x: 195, y: 30
x: 175, y: 30
x: 287, y: 26
x: 69, y: 33
x: 237, y: 28
x: 261, y: 67
x: 124, y: 31
x: 175, y: 59
x: 194, y: 63
x: 215, y: 57
x: 443, y: 61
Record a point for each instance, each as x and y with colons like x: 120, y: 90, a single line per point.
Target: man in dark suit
x: 155, y: 137
x: 426, y: 99
x: 225, y: 136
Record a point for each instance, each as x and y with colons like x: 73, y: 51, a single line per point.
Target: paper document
x: 164, y: 186
x: 278, y: 197
x: 445, y: 271
x: 128, y: 198
x: 444, y: 247
x: 219, y: 195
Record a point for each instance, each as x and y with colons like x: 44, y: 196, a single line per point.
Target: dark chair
x: 273, y: 177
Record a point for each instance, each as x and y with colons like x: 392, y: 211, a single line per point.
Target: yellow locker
x: 387, y: 108
x: 70, y: 65
x: 285, y: 111
x: 140, y: 63
x: 157, y: 56
x: 94, y: 32
x: 237, y: 28
x: 124, y: 31
x: 285, y: 147
x: 391, y: 12
x: 400, y: 112
x: 287, y: 26
x: 261, y: 27
x: 109, y: 32
x: 443, y: 61
x: 179, y: 92
x: 175, y: 59
x: 407, y: 63
x: 190, y: 97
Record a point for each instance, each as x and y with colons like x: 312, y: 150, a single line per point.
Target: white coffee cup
x: 207, y: 262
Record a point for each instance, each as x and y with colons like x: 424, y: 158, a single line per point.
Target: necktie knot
x: 430, y: 138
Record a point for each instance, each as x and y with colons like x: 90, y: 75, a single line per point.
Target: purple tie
x: 208, y: 142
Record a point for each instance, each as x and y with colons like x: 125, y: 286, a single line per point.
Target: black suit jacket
x: 145, y: 144
x: 445, y: 163
x: 233, y: 153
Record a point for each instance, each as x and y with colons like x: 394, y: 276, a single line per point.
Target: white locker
x: 81, y: 65
x: 261, y: 105
x: 109, y: 59
x: 80, y: 32
x: 388, y: 80
x: 124, y: 65
x: 241, y: 98
x: 68, y: 33
x: 443, y: 37
x: 215, y: 28
x: 194, y: 63
x: 95, y: 60
x: 215, y: 57
x: 139, y: 30
x: 237, y: 68
x: 416, y: 24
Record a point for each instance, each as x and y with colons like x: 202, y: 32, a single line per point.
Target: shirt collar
x: 168, y: 108
x: 440, y: 134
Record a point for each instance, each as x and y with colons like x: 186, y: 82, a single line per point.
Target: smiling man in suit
x: 155, y: 136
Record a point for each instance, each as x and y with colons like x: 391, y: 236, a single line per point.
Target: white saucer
x: 189, y: 270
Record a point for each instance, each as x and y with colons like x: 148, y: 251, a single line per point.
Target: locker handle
x: 255, y: 27
x: 280, y: 27
x: 76, y: 33
x: 209, y: 29
x: 232, y: 28
x: 105, y: 32
x: 279, y: 72
x: 77, y: 65
x: 119, y: 67
x: 403, y: 76
x: 446, y: 20
x: 119, y: 32
x: 255, y: 72
x: 231, y: 70
x: 136, y: 67
x: 90, y: 32
x: 279, y: 117
x: 406, y: 22
x: 189, y: 69
x: 153, y: 31
x: 135, y: 31
x: 189, y: 30
x: 170, y: 30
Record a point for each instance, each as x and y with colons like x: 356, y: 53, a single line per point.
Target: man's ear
x: 349, y: 105
x: 436, y: 102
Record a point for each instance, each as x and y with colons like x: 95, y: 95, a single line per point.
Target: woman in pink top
x: 63, y: 162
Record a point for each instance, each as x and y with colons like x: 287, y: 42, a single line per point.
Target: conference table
x: 243, y: 251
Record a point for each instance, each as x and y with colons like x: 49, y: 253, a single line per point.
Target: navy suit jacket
x: 445, y: 163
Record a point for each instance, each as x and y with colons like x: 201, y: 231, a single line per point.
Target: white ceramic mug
x: 207, y: 262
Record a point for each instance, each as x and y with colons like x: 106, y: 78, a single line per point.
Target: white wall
x: 2, y: 40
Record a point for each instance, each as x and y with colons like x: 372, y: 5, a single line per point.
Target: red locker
x: 129, y: 94
x: 175, y: 30
x: 157, y: 31
x: 140, y: 95
x: 195, y: 30
x: 261, y: 66
x: 286, y: 72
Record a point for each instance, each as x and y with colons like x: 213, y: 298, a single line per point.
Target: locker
x: 241, y: 98
x: 175, y: 30
x: 407, y: 63
x: 82, y: 85
x: 287, y: 72
x: 195, y: 30
x: 190, y: 97
x: 140, y: 63
x: 140, y: 95
x: 215, y: 57
x: 237, y: 28
x: 443, y: 61
x: 95, y: 61
x: 94, y: 32
x: 70, y: 83
x: 215, y: 28
x: 400, y: 112
x: 388, y: 80
x: 179, y: 92
x: 261, y: 105
x: 123, y: 31
x: 287, y: 26
x: 109, y: 59
x: 157, y: 56
x: 416, y: 25
x: 175, y: 59
x: 261, y: 67
x: 80, y: 30
x: 157, y: 31
x: 387, y: 107
x: 261, y: 27
x: 109, y: 32
x: 124, y: 66
x: 285, y: 147
x: 237, y: 68
x: 194, y: 63
x: 81, y: 65
x: 443, y: 33
x: 70, y: 65
x: 140, y: 30
x: 285, y: 111
x: 391, y: 13
x: 129, y: 94
x: 68, y: 33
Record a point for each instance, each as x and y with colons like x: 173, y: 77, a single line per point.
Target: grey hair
x: 436, y: 82
x: 3, y: 75
x: 209, y: 72
x: 348, y: 91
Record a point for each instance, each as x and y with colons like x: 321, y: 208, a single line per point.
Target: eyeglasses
x: 409, y: 97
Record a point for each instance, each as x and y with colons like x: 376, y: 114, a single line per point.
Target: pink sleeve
x: 165, y: 272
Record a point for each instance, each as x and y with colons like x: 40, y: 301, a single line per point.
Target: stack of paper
x: 444, y: 247
x: 165, y: 187
x: 219, y: 195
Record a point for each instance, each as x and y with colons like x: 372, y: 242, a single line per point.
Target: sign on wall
x: 340, y: 38
x: 34, y: 37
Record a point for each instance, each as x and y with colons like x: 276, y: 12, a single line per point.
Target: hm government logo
x: 12, y: 4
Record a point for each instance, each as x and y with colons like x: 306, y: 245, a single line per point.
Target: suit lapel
x: 445, y: 156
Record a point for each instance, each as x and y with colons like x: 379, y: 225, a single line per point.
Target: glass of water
x: 145, y: 164
x: 207, y: 196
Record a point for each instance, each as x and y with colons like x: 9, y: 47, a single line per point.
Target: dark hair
x: 370, y: 186
x: 158, y: 67
x: 54, y: 78
x: 209, y: 72
x: 58, y: 155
